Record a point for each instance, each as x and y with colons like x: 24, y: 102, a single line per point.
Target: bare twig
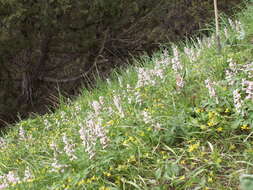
x: 217, y: 26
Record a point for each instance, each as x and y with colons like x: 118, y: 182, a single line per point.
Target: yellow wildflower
x: 203, y: 127
x: 107, y: 174
x: 182, y: 178
x: 104, y: 188
x: 219, y: 129
x: 193, y: 147
x: 211, y: 123
x: 245, y: 127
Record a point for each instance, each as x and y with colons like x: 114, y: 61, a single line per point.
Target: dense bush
x: 44, y: 43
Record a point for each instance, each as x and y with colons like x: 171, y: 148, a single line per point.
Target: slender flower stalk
x: 237, y: 101
x: 117, y: 103
x: 22, y: 133
x: 212, y: 93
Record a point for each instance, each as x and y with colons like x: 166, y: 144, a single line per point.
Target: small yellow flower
x: 107, y: 174
x: 245, y: 127
x: 182, y: 178
x: 193, y: 147
x: 211, y: 123
x: 142, y: 134
x: 227, y: 110
x: 104, y: 188
x: 219, y: 129
x: 203, y: 127
x: 198, y: 110
x: 210, y: 179
x: 81, y: 182
x: 232, y: 147
x: 182, y: 162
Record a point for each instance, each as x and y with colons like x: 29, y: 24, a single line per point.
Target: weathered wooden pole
x: 217, y: 27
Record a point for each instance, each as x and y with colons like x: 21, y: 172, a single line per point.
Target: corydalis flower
x: 231, y: 72
x: 144, y: 78
x: 177, y: 67
x: 117, y: 103
x: 149, y: 76
x: 21, y: 133
x: 238, y: 28
x: 69, y: 147
x: 179, y: 82
x: 56, y: 166
x: 237, y: 100
x: 192, y: 54
x: 96, y: 107
x: 212, y: 93
x: 248, y: 88
x: 89, y: 135
x: 2, y: 143
x: 146, y: 117
x: 12, y: 178
x: 28, y: 175
x: 176, y: 63
x: 88, y: 141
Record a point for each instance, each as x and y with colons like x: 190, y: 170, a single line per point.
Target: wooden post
x: 217, y: 26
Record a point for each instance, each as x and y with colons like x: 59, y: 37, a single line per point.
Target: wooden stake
x: 217, y: 26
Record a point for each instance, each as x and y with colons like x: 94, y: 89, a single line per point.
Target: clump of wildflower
x: 210, y: 87
x: 28, y: 175
x: 89, y: 135
x: 12, y: 178
x: 248, y: 69
x: 96, y: 107
x: 146, y: 117
x: 192, y: 54
x: 88, y: 141
x: 56, y: 166
x: 165, y: 60
x: 117, y: 103
x: 54, y: 147
x: 248, y: 88
x: 47, y: 124
x: 69, y: 147
x: 226, y: 33
x: 238, y: 28
x: 21, y: 133
x: 231, y: 72
x: 177, y: 67
x: 2, y: 142
x: 237, y: 100
x: 176, y: 63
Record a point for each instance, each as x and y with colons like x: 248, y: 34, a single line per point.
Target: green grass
x: 152, y: 134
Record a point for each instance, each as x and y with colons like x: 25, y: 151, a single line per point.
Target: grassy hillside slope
x: 181, y: 119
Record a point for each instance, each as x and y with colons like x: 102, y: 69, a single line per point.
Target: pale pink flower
x: 96, y: 107
x: 56, y: 166
x: 210, y: 87
x: 146, y: 117
x: 21, y: 133
x: 237, y: 100
x: 69, y: 147
x: 12, y: 178
x: 176, y: 63
x: 117, y: 103
x: 248, y: 88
